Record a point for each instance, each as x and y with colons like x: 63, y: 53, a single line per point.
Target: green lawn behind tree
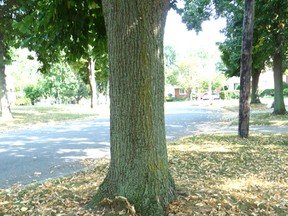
x: 38, y: 116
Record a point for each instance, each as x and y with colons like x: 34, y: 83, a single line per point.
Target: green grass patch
x: 214, y: 175
x: 269, y: 119
x: 262, y: 119
x: 260, y: 115
x: 31, y: 116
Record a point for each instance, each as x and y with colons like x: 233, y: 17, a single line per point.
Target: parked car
x: 207, y: 96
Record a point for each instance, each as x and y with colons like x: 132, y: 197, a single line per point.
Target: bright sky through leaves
x: 184, y: 41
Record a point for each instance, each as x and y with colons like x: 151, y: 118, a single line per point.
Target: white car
x: 207, y: 96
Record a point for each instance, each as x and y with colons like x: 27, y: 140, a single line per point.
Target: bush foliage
x: 33, y: 92
x: 229, y: 94
x: 267, y: 92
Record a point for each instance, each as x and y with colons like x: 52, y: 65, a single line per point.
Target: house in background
x: 180, y: 93
x: 266, y: 81
x: 176, y: 92
x: 232, y: 83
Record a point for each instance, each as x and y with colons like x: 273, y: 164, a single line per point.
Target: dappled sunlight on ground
x: 205, y: 148
x: 279, y: 123
x: 226, y: 175
x: 214, y: 175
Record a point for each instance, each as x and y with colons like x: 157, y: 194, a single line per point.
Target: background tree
x: 33, y: 92
x: 275, y: 38
x: 246, y: 68
x: 101, y: 73
x: 199, y: 11
x: 169, y: 56
x: 189, y: 73
x: 62, y: 85
x: 68, y: 28
x: 82, y: 91
x: 8, y: 13
x: 270, y: 34
x: 59, y: 85
x: 231, y: 48
x: 139, y: 166
x: 23, y: 71
x: 5, y: 105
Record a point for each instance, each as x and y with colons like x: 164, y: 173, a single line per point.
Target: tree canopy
x: 9, y: 13
x: 66, y: 29
x: 231, y: 48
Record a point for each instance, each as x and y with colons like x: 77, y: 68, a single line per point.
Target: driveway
x: 35, y: 155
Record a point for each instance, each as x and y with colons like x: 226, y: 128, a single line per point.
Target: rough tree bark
x: 5, y: 106
x: 92, y: 82
x: 279, y: 105
x: 139, y: 165
x: 254, y: 94
x: 246, y: 67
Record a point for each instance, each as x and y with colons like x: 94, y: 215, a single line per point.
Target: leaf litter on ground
x: 214, y: 175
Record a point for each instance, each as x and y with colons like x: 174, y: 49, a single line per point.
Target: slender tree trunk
x: 92, y: 82
x: 139, y: 165
x: 5, y: 105
x: 246, y: 67
x: 254, y: 94
x: 107, y: 101
x: 279, y: 105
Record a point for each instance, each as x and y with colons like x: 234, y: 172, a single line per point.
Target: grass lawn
x: 31, y: 116
x: 260, y: 115
x: 269, y: 119
x: 214, y: 175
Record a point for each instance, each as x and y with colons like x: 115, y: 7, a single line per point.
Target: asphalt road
x: 33, y: 155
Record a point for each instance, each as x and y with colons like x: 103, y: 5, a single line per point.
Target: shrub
x: 228, y: 94
x: 267, y: 92
x: 33, y: 93
x: 181, y: 99
x: 168, y: 99
x: 285, y: 92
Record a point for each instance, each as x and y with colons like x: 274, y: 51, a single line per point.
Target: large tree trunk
x: 5, y: 105
x: 279, y: 105
x: 245, y: 71
x: 92, y: 82
x: 139, y: 165
x: 254, y: 94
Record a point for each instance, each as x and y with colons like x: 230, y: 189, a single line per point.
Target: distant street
x: 38, y: 154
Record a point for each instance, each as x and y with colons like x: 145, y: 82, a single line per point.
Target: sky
x: 184, y: 41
